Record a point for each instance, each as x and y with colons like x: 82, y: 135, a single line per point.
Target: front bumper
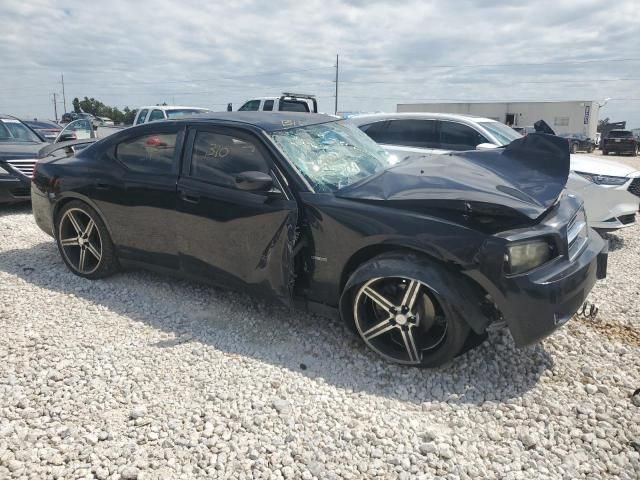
x: 608, y: 207
x: 536, y: 303
x: 13, y: 189
x: 539, y: 303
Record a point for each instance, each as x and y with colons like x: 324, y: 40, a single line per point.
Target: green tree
x: 99, y: 109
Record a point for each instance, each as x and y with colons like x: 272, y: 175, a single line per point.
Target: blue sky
x: 211, y: 53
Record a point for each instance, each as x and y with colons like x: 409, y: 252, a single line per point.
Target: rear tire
x: 84, y: 241
x: 605, y: 152
x: 574, y: 148
x: 403, y: 319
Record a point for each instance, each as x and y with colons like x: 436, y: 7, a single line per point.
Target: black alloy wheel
x: 402, y: 320
x: 84, y: 241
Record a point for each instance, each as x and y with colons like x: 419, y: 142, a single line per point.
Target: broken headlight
x: 525, y: 256
x: 603, y: 179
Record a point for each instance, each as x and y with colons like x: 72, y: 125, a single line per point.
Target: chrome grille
x: 577, y: 234
x: 24, y: 166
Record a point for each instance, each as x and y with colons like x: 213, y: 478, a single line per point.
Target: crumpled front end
x: 537, y: 302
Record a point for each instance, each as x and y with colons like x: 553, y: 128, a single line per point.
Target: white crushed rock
x: 141, y: 376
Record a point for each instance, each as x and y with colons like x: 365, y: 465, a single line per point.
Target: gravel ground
x: 144, y: 376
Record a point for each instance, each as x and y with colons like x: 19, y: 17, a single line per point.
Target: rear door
x: 136, y: 191
x: 235, y: 238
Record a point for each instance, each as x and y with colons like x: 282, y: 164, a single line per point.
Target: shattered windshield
x: 332, y: 155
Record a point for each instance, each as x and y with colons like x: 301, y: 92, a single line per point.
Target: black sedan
x: 418, y: 257
x: 46, y: 129
x: 579, y: 142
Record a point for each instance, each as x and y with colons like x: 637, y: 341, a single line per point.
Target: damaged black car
x: 418, y: 257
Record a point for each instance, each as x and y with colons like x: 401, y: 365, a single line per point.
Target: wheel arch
x: 463, y: 294
x: 70, y: 197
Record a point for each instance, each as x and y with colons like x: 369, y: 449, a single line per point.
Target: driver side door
x: 233, y: 237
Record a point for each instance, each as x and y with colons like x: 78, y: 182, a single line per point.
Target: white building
x: 563, y: 117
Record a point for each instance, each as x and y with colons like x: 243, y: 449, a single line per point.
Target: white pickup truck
x: 287, y: 102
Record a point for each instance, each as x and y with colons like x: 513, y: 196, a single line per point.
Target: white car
x: 165, y: 112
x: 610, y: 190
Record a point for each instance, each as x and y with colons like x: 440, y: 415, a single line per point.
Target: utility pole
x: 337, y: 67
x: 64, y: 99
x: 55, y: 107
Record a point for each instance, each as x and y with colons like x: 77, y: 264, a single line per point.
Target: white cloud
x: 208, y: 54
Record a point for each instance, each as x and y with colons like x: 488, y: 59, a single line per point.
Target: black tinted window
x: 293, y: 106
x: 375, y: 130
x: 620, y: 134
x: 218, y: 158
x: 456, y: 136
x: 250, y: 106
x: 268, y: 105
x: 150, y: 153
x: 142, y: 116
x: 156, y: 115
x: 410, y: 133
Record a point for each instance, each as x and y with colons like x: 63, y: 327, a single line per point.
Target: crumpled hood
x: 526, y: 176
x: 598, y: 165
x: 18, y: 150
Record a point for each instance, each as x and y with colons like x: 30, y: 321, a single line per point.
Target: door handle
x: 189, y: 197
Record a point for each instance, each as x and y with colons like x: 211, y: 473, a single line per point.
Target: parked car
x: 287, y: 102
x: 46, y: 129
x: 309, y: 210
x: 19, y: 146
x: 610, y: 190
x: 165, y: 112
x: 579, y: 142
x: 83, y: 129
x: 620, y: 142
x: 106, y: 121
x: 71, y: 116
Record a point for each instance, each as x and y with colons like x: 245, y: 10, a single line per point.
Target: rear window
x: 293, y: 106
x: 152, y: 153
x: 268, y: 105
x: 620, y: 134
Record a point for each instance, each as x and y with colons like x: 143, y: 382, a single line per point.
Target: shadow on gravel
x: 15, y: 209
x: 615, y: 242
x: 313, y: 346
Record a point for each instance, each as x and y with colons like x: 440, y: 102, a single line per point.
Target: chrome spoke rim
x: 410, y: 345
x: 91, y: 249
x: 411, y: 294
x: 396, y: 317
x: 379, y: 329
x: 378, y: 298
x: 74, y: 222
x: 80, y: 241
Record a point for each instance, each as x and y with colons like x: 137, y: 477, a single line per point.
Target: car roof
x: 268, y: 121
x: 361, y: 119
x: 170, y: 107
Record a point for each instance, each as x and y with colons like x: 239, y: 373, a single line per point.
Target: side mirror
x: 65, y: 137
x: 254, y: 181
x: 486, y: 146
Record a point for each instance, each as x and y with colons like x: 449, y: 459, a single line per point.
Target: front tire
x: 403, y: 319
x: 574, y: 148
x: 84, y: 242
